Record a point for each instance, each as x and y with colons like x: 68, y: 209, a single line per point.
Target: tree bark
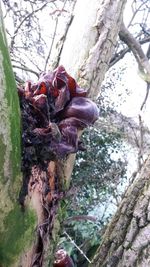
x: 15, y: 227
x: 127, y: 237
x: 85, y: 55
x: 93, y: 41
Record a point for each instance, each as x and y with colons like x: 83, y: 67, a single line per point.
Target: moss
x: 18, y: 235
x: 15, y: 227
x: 13, y: 103
x: 2, y: 153
x: 11, y: 107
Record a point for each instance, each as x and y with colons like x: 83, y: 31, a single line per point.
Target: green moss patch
x: 12, y: 104
x: 17, y: 236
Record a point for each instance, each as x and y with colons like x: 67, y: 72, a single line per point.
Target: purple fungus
x: 56, y: 99
x: 83, y: 109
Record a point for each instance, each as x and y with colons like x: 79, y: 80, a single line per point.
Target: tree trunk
x: 15, y: 227
x: 91, y: 40
x: 127, y: 237
x: 86, y: 54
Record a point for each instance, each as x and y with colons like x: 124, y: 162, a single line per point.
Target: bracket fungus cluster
x: 53, y: 111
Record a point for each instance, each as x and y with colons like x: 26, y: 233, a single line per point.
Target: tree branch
x: 80, y: 218
x: 123, y: 52
x: 146, y: 96
x: 26, y: 69
x: 54, y: 33
x: 24, y: 19
x: 136, y: 11
x: 135, y: 47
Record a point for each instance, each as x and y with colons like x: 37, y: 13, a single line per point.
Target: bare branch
x: 24, y: 19
x: 52, y: 43
x: 61, y: 42
x: 146, y: 96
x: 123, y: 52
x: 135, y: 13
x: 148, y: 52
x: 54, y: 34
x: 26, y: 69
x: 80, y: 218
x: 134, y: 45
x: 73, y: 242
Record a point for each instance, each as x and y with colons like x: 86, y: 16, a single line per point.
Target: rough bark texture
x: 93, y: 42
x: 15, y: 227
x: 127, y: 238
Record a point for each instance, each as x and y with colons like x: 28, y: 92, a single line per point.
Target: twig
x: 148, y: 52
x: 54, y: 35
x: 146, y: 96
x: 19, y: 26
x: 80, y: 218
x: 123, y: 52
x: 73, y: 242
x: 135, y: 12
x: 62, y: 40
x: 52, y: 43
x: 135, y: 136
x: 26, y: 69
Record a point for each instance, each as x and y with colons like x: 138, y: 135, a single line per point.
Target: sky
x: 127, y: 96
x: 132, y: 89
